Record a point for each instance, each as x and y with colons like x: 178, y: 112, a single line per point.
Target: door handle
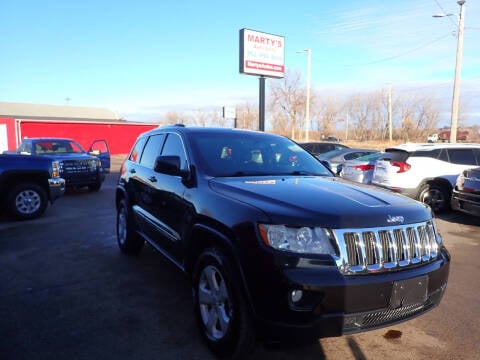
x: 152, y: 179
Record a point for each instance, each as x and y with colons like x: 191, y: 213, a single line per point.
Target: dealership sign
x: 262, y: 54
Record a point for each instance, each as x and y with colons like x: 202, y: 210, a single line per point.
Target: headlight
x: 93, y: 164
x: 299, y: 240
x: 55, y: 169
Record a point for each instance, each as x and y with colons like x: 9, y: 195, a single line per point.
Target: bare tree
x: 200, y: 118
x: 287, y: 104
x: 172, y: 117
x: 418, y: 115
x: 247, y: 116
x: 326, y: 113
x: 362, y: 110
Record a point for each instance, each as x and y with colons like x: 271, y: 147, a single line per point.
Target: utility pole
x: 307, y: 101
x: 346, y: 126
x: 390, y: 122
x: 458, y: 67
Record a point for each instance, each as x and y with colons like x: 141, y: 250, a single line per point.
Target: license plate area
x: 409, y: 292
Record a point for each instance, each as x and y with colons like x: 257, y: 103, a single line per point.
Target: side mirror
x: 168, y: 164
x: 95, y: 152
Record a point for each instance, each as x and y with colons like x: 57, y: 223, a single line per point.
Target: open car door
x: 99, y: 148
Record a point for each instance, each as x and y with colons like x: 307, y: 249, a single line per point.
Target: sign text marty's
x: 262, y: 54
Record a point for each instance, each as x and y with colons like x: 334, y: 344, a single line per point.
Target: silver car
x: 335, y: 158
x: 360, y: 169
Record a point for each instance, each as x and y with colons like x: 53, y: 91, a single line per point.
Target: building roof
x: 56, y: 112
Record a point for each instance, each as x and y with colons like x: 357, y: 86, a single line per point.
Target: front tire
x: 435, y: 195
x: 128, y: 240
x: 220, y: 306
x: 27, y: 201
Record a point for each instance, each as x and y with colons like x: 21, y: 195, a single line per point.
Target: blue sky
x: 143, y: 58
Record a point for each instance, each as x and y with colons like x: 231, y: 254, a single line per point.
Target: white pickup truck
x: 432, y: 138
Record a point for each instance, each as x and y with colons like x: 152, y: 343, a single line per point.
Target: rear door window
x: 462, y: 156
x: 137, y: 150
x: 434, y: 154
x: 25, y: 148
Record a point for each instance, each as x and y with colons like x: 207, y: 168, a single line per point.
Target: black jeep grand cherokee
x: 276, y: 245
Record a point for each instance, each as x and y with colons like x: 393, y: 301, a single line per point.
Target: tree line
x: 360, y: 116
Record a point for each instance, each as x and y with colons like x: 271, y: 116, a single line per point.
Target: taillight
x: 402, y: 166
x: 364, y: 167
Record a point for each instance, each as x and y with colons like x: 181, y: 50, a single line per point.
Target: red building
x: 84, y: 124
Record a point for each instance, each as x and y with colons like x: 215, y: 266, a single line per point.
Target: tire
x: 95, y: 187
x: 27, y: 201
x: 435, y: 195
x: 221, y: 308
x: 128, y: 240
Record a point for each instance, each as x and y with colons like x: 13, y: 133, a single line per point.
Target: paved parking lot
x: 66, y: 292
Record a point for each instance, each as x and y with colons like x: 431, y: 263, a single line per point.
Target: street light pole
x: 458, y: 67
x: 307, y: 102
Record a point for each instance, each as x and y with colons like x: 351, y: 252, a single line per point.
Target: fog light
x: 296, y: 295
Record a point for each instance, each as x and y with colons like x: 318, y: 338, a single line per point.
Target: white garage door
x: 3, y: 138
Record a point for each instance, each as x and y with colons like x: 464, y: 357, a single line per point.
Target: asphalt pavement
x: 66, y: 292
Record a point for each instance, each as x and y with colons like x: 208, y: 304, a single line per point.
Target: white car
x: 425, y: 172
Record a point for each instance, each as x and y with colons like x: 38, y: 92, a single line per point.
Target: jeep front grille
x: 375, y: 250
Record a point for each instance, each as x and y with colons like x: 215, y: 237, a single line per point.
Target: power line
x: 398, y: 55
x: 451, y: 20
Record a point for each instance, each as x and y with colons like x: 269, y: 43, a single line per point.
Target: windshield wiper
x: 250, y: 173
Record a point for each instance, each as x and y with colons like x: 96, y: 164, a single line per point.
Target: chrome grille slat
x: 373, y: 250
x: 76, y: 166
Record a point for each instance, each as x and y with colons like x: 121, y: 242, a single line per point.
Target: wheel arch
x: 120, y: 194
x: 437, y: 180
x: 203, y: 237
x: 16, y: 179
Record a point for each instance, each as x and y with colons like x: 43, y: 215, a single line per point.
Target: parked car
x: 332, y: 138
x: 444, y: 135
x: 360, y: 169
x: 28, y: 184
x: 276, y: 247
x: 466, y: 193
x: 335, y: 158
x: 320, y: 147
x: 425, y: 172
x: 78, y: 167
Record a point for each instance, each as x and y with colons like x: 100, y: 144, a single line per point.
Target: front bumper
x: 83, y: 179
x: 466, y: 202
x: 56, y: 187
x: 333, y: 304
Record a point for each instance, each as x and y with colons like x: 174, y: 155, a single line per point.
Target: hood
x: 70, y: 156
x: 321, y: 201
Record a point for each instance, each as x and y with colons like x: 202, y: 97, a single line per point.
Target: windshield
x: 57, y: 146
x: 245, y: 154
